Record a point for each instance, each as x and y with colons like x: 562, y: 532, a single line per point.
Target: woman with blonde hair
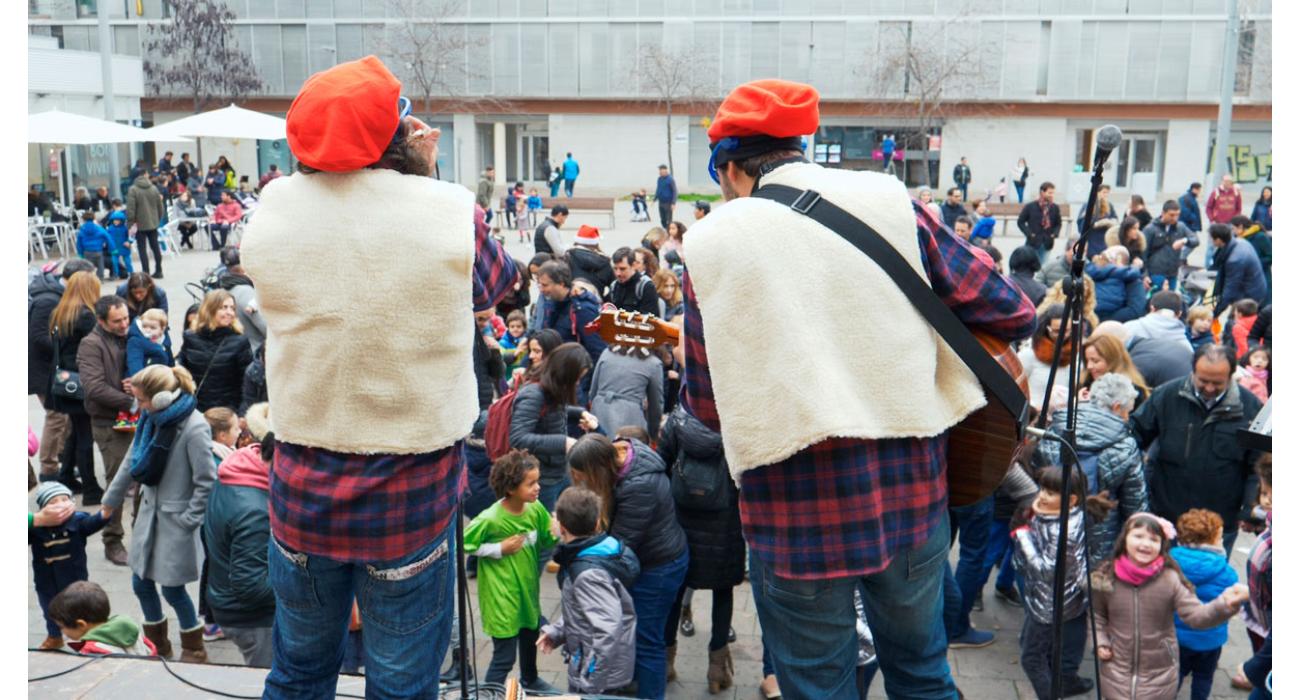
x: 171, y: 459
x: 216, y: 351
x: 1104, y: 353
x: 670, y: 294
x: 72, y: 320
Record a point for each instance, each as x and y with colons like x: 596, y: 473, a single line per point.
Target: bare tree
x: 674, y: 78
x: 431, y: 53
x: 925, y: 73
x: 194, y: 54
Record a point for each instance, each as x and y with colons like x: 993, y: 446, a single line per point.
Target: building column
x: 499, y: 147
x: 467, y: 165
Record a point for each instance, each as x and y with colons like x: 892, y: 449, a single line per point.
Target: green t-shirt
x: 508, y: 587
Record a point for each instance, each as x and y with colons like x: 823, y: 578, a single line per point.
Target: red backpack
x: 496, y: 434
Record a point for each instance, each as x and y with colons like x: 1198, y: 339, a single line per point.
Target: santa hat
x: 345, y: 118
x: 762, y: 116
x: 587, y: 235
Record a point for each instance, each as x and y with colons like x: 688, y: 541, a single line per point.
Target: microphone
x: 1108, y: 137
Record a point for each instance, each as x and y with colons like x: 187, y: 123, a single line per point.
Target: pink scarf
x: 1129, y: 572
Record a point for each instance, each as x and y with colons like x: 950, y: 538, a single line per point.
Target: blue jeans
x: 548, y: 497
x: 972, y: 525
x: 652, y: 597
x: 406, y: 616
x: 1201, y: 665
x: 1020, y: 192
x: 568, y: 187
x: 146, y: 591
x: 999, y: 553
x: 1043, y: 251
x: 809, y: 627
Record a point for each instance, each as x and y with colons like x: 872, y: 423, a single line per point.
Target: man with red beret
x: 841, y: 463
x: 369, y: 367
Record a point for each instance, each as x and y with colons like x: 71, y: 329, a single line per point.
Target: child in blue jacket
x: 59, y: 554
x: 147, y: 342
x: 120, y: 241
x: 93, y: 242
x: 1201, y: 556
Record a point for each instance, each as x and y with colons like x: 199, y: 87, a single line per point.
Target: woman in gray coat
x: 627, y: 388
x: 171, y: 457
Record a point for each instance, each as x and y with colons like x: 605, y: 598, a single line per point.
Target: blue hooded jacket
x: 1121, y: 296
x: 92, y: 238
x: 115, y: 224
x: 142, y: 352
x: 1207, y: 568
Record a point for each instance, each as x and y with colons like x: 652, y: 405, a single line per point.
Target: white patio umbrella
x: 64, y: 128
x: 228, y: 122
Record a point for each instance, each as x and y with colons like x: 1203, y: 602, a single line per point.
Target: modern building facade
x: 522, y: 82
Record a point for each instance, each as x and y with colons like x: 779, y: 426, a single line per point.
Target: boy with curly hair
x: 507, y: 538
x: 1203, y: 560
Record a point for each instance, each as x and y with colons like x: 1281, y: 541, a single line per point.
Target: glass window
x: 269, y: 58
x: 563, y: 8
x: 77, y: 38
x: 593, y: 68
x: 126, y: 39
x: 622, y: 58
x: 1112, y: 59
x: 321, y: 49
x: 505, y: 59
x: 291, y: 9
x: 350, y: 41
x: 1143, y: 54
x: 349, y: 9
x: 796, y: 37
x: 479, y: 38
x: 829, y: 57
x: 294, y: 45
x: 1175, y: 47
x: 260, y: 10
x: 532, y: 8
x: 735, y: 56
x: 563, y: 52
x: 765, y: 50
x: 532, y: 55
x: 320, y: 8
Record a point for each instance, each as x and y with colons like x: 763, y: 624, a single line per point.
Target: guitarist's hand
x: 588, y: 422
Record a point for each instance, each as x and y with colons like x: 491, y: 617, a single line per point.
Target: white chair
x: 167, y: 236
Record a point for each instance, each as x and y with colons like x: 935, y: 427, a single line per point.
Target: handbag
x: 65, y: 383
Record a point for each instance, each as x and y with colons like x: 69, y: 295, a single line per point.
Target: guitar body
x: 982, y: 447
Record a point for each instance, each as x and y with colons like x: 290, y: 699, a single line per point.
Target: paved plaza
x: 992, y: 672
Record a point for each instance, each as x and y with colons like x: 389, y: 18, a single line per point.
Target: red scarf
x: 1129, y: 572
x: 1045, y: 207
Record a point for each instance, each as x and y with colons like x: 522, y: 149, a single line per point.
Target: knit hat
x: 760, y: 117
x: 587, y: 235
x: 48, y: 490
x: 345, y: 117
x: 258, y: 418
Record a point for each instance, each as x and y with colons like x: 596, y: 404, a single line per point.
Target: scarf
x: 1129, y: 572
x: 1045, y: 207
x: 1044, y: 348
x: 153, y: 439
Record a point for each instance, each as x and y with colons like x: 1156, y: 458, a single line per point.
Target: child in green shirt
x: 507, y: 538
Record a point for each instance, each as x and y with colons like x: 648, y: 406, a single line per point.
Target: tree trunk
x: 668, y: 134
x: 925, y: 150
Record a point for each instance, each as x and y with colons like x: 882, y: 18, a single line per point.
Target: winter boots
x: 720, y: 670
x: 156, y: 632
x: 192, y: 650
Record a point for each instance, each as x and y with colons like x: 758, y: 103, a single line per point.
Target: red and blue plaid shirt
x: 380, y: 507
x: 845, y: 507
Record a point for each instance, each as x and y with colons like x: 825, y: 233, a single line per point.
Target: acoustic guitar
x: 633, y: 329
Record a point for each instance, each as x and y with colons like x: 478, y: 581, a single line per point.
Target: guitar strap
x: 856, y: 231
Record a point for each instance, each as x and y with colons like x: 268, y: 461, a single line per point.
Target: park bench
x: 587, y: 205
x: 1008, y: 212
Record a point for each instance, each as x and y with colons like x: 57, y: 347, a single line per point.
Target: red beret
x: 771, y: 107
x: 345, y: 117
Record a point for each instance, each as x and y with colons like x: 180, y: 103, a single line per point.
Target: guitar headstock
x: 631, y: 329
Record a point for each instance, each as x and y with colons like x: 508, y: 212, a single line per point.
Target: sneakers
x: 212, y: 633
x: 731, y: 635
x: 973, y: 639
x: 537, y: 685
x: 688, y: 624
x: 1010, y: 596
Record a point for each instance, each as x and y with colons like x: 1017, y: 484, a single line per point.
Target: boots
x: 720, y: 670
x: 192, y: 650
x: 672, y: 659
x: 156, y: 632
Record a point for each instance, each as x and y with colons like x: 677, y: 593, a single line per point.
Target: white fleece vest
x: 364, y: 279
x: 807, y: 338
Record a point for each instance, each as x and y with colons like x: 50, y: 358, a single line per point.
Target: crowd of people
x: 622, y: 468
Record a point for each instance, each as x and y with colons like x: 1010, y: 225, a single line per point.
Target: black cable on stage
x: 64, y: 672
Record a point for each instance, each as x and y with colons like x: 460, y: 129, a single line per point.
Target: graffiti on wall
x: 1247, y: 167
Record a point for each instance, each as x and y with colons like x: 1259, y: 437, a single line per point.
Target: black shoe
x: 47, y: 477
x: 452, y: 672
x: 157, y: 275
x: 92, y: 498
x: 688, y: 624
x: 74, y: 485
x: 731, y: 635
x: 540, y: 687
x: 1077, y: 686
x: 1010, y: 596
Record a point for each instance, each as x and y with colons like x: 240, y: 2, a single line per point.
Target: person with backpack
x: 568, y: 310
x: 632, y: 289
x: 1110, y: 459
x: 708, y: 509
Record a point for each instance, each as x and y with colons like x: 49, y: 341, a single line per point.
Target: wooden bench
x: 587, y: 205
x: 1009, y: 212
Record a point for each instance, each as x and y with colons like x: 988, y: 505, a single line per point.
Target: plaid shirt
x: 845, y: 507
x: 374, y: 508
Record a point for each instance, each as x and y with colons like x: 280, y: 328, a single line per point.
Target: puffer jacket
x: 1034, y: 556
x: 541, y: 429
x: 1161, y: 258
x: 644, y: 516
x: 597, y: 631
x: 144, y: 206
x: 217, y: 358
x: 1137, y: 623
x: 142, y: 352
x: 43, y: 295
x: 1208, y: 569
x: 592, y: 266
x: 1105, y: 436
x: 715, y: 538
x: 236, y: 530
x: 1121, y: 296
x: 570, y: 317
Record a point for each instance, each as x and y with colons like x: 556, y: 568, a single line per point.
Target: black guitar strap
x: 856, y: 231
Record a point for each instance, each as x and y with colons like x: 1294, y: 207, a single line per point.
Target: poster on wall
x: 833, y: 156
x: 819, y: 153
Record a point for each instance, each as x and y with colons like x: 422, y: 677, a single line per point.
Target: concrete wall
x: 619, y: 152
x: 1186, y: 147
x: 992, y: 147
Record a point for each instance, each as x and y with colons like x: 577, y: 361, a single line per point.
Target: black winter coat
x: 541, y: 430
x: 594, y: 267
x: 644, y: 516
x: 222, y: 355
x: 236, y: 529
x: 637, y: 294
x: 715, y: 538
x: 254, y: 386
x: 43, y: 295
x: 67, y: 358
x: 488, y: 369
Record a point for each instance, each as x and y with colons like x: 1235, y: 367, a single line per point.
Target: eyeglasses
x: 403, y: 111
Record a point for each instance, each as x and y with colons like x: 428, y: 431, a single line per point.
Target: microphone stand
x: 1073, y: 286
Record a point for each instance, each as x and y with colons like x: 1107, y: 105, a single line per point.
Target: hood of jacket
x: 1200, y: 564
x: 1256, y: 228
x: 46, y: 283
x: 607, y: 552
x: 134, y: 331
x: 1112, y: 272
x: 1155, y: 326
x: 696, y: 439
x: 119, y: 631
x: 230, y: 280
x: 143, y: 183
x: 645, y: 461
x: 245, y: 468
x: 1098, y: 428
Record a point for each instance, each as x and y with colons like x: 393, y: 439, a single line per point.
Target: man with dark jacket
x: 101, y: 359
x: 1158, y: 341
x: 214, y: 183
x: 546, y: 239
x: 961, y: 176
x: 144, y: 209
x: 568, y: 310
x: 1240, y: 274
x: 631, y: 290
x: 185, y: 170
x: 237, y: 530
x: 42, y: 296
x: 489, y: 367
x: 1040, y: 221
x: 665, y: 196
x: 952, y: 208
x: 588, y: 263
x: 1166, y: 239
x: 1200, y: 463
x: 1262, y: 241
x: 1189, y: 209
